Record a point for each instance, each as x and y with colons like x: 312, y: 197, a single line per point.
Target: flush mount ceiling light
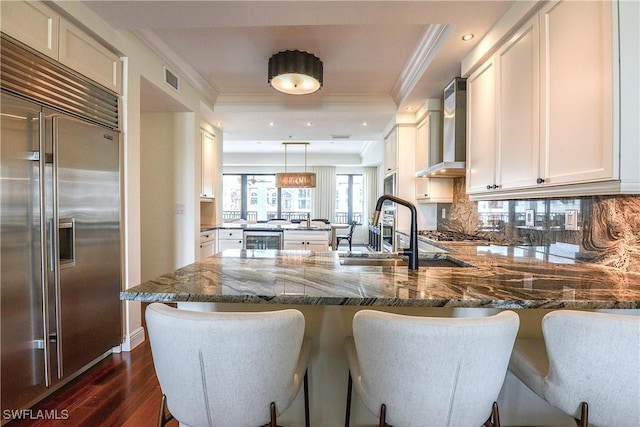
x: 295, y: 72
x: 295, y: 179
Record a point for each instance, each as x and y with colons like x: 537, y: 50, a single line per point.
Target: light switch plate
x: 571, y: 219
x: 180, y: 208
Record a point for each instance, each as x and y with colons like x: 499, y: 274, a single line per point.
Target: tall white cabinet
x: 208, y: 147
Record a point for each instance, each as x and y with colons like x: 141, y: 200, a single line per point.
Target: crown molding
x: 430, y: 44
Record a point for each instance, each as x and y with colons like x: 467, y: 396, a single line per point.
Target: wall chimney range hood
x: 448, y: 160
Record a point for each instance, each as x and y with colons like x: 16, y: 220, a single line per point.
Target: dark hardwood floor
x: 121, y: 390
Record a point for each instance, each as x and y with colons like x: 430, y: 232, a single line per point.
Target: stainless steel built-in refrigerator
x: 60, y: 247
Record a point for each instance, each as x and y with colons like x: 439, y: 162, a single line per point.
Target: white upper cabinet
x: 542, y: 109
x: 391, y: 152
x: 518, y: 153
x: 42, y: 29
x: 430, y: 190
x: 481, y: 129
x: 82, y: 53
x: 577, y: 92
x: 33, y: 24
x: 208, y: 165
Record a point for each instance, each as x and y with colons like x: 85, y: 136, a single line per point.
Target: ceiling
x: 379, y: 58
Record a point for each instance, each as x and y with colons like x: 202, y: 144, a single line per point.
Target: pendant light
x: 295, y: 179
x: 295, y: 72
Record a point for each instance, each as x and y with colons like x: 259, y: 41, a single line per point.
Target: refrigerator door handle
x: 56, y: 246
x: 42, y: 156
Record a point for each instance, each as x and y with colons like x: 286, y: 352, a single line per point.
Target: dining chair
x: 587, y: 364
x: 429, y: 371
x: 224, y: 369
x: 348, y: 237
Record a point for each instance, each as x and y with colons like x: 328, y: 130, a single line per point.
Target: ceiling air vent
x: 340, y: 136
x: 171, y: 79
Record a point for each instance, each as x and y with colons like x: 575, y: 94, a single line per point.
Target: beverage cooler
x: 263, y: 239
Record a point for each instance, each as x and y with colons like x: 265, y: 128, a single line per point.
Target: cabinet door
x: 391, y: 152
x: 85, y: 55
x: 518, y: 152
x: 423, y: 138
x: 577, y: 88
x: 208, y: 165
x: 229, y: 244
x: 481, y: 128
x: 294, y: 245
x: 33, y: 24
x: 317, y: 246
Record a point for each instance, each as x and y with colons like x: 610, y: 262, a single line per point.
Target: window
x: 256, y: 198
x: 349, y: 198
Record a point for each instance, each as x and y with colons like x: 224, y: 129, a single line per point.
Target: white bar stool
x: 587, y: 365
x: 430, y: 371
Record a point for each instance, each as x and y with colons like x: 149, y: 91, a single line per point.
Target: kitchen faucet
x: 413, y: 242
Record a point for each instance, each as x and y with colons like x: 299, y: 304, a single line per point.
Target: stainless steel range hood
x: 449, y: 161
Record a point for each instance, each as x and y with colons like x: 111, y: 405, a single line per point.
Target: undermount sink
x: 375, y: 260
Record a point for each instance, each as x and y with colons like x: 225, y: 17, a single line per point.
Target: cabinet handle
x: 495, y: 186
x: 540, y: 180
x: 488, y: 187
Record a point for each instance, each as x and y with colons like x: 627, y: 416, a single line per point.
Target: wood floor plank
x: 121, y: 390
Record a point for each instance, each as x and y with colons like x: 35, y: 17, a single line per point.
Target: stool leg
x: 163, y: 417
x: 347, y: 417
x: 383, y: 416
x: 584, y: 415
x: 272, y: 408
x: 306, y: 399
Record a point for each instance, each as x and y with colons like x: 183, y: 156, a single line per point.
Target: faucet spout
x: 413, y: 237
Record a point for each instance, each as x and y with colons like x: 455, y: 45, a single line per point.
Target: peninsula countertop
x: 499, y: 277
x: 261, y: 226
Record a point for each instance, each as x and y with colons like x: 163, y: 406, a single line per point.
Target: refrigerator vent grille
x: 33, y: 76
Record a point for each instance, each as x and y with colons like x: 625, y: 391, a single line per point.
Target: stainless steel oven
x: 262, y: 239
x: 388, y: 231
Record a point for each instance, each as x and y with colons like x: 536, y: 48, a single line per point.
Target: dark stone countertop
x: 263, y: 227
x: 501, y: 277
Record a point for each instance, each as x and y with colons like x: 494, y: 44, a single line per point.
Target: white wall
x: 140, y: 62
x: 156, y: 193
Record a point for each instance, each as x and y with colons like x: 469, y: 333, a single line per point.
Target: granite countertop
x: 500, y: 277
x: 263, y: 227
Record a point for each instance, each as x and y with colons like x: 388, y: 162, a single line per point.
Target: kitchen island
x: 494, y: 277
x: 481, y: 281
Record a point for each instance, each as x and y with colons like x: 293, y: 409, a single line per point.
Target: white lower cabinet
x: 296, y: 240
x: 207, y: 244
x: 229, y: 239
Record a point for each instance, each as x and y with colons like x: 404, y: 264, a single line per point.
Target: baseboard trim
x: 133, y: 340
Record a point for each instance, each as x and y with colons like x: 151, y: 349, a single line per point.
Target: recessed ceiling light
x: 308, y: 123
x: 364, y: 123
x: 409, y: 108
x: 467, y: 37
x: 218, y: 123
x: 271, y: 124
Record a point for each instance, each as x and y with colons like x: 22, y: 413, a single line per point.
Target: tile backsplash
x: 599, y: 229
